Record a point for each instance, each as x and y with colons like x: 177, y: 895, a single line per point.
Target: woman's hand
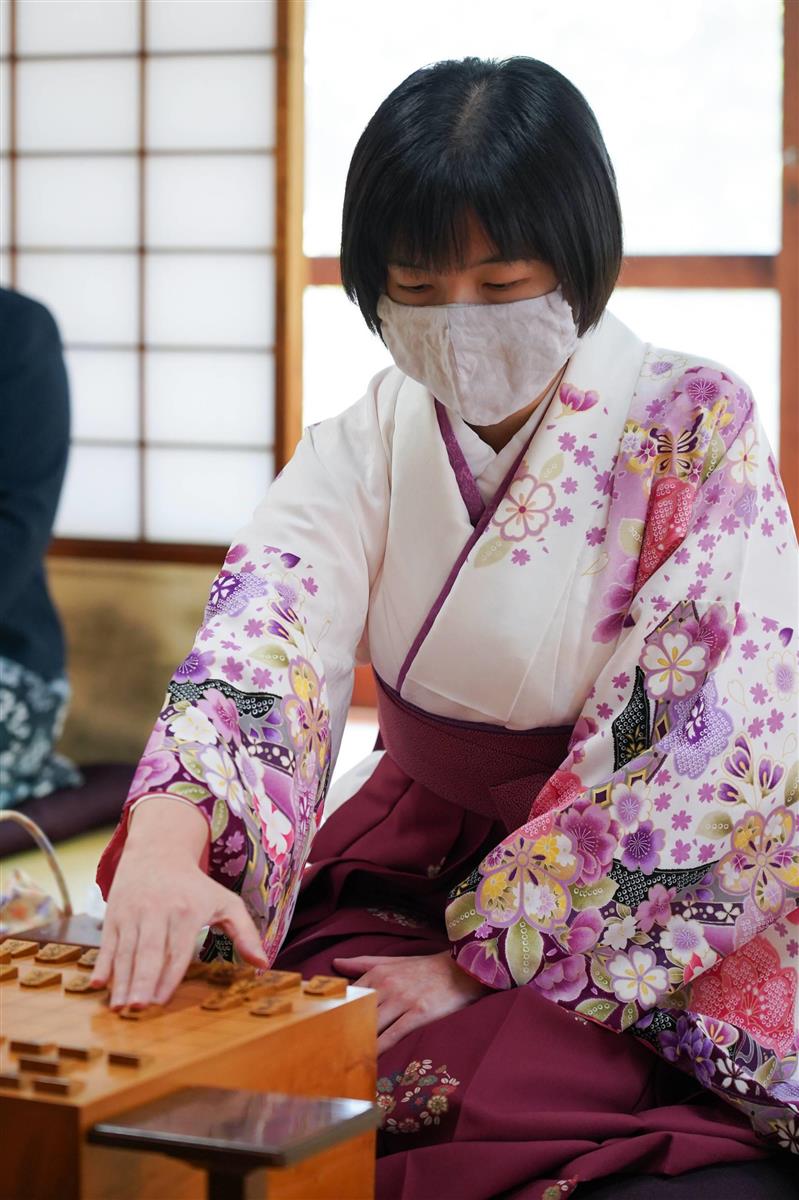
x: 159, y: 901
x: 411, y: 991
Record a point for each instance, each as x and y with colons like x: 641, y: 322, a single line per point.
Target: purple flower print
x: 630, y: 804
x: 749, y: 649
x: 703, y: 386
x: 563, y: 980
x: 154, y: 770
x: 567, y: 442
x: 763, y: 860
x: 524, y: 510
x: 195, y: 666
x: 603, y: 482
x: 575, y: 401
x: 775, y: 720
x: 262, y: 678
x: 661, y: 367
x: 711, y: 630
x: 594, y: 836
x: 766, y: 528
x: 563, y: 516
x: 223, y: 713
x: 755, y: 727
x: 583, y: 456
x: 232, y: 670
x: 706, y: 793
x: 656, y: 909
x: 617, y: 599
x: 642, y: 848
x: 253, y: 628
x: 519, y: 557
x: 746, y: 507
x: 310, y: 585
x: 758, y: 693
x: 681, y: 852
x: 236, y: 553
x: 701, y: 730
x: 688, y: 1043
x: 569, y: 486
x: 595, y: 536
x: 583, y: 933
x: 680, y: 820
x: 620, y: 681
x: 672, y: 663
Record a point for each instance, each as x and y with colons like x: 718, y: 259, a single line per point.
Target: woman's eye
x: 502, y: 287
x: 413, y: 287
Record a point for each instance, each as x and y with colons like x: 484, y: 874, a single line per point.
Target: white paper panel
x: 214, y: 201
x: 340, y: 355
x: 211, y: 24
x: 76, y: 26
x: 77, y: 202
x: 698, y: 165
x: 5, y: 26
x: 216, y: 398
x: 5, y: 270
x: 5, y: 202
x: 203, y: 495
x: 104, y: 392
x: 209, y: 103
x: 5, y: 108
x: 77, y: 105
x: 221, y: 300
x: 92, y: 296
x: 100, y: 496
x: 738, y: 328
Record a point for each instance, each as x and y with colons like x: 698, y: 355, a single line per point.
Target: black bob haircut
x: 513, y: 142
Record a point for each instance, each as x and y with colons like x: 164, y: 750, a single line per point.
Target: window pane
x: 695, y: 142
x: 103, y: 387
x: 97, y: 202
x: 77, y: 105
x: 208, y: 299
x: 211, y: 24
x: 206, y: 103
x: 203, y: 495
x: 211, y: 201
x: 738, y: 329
x: 101, y: 494
x: 217, y: 398
x: 76, y: 26
x: 340, y: 354
x: 92, y: 296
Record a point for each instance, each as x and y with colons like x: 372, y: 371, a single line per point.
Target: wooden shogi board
x: 324, y: 1047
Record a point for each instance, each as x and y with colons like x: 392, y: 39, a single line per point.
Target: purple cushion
x: 71, y: 811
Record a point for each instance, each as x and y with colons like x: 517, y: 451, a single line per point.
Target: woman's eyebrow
x: 483, y: 262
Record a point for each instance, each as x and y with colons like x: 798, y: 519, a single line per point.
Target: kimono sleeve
x: 654, y: 887
x: 253, y: 716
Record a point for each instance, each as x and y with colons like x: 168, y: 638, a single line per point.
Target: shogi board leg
x: 229, y: 1185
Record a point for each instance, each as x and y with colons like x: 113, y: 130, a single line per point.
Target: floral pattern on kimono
x: 654, y: 887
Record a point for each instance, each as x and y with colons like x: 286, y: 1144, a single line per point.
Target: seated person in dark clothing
x: 34, y: 443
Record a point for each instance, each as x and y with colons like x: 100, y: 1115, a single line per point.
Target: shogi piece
x: 222, y: 973
x: 17, y: 948
x: 40, y: 977
x: 57, y: 1086
x: 127, y: 1058
x: 88, y: 958
x: 273, y: 1007
x: 79, y: 1053
x: 325, y: 985
x: 224, y: 1001
x: 11, y: 1079
x: 56, y: 952
x: 25, y: 1046
x: 77, y: 984
x: 40, y: 1064
x: 8, y: 971
x: 5, y: 956
x: 277, y: 981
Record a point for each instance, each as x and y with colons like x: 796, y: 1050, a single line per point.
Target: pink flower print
x: 583, y: 456
x: 769, y: 624
x: 781, y: 515
x: 680, y: 820
x: 763, y: 861
x: 681, y: 852
x: 642, y: 848
x: 523, y: 511
x: 594, y: 836
x: 585, y: 727
x: 749, y: 649
x: 617, y: 599
x: 310, y: 585
x: 575, y: 401
x: 595, y: 536
x: 603, y: 482
x: 519, y: 557
x: 766, y: 528
x: 569, y: 485
x: 755, y: 727
x: 758, y: 693
x: 195, y: 666
x: 262, y: 678
x: 526, y: 878
x: 562, y: 980
x: 775, y: 720
x: 672, y: 664
x: 703, y: 386
x: 567, y: 441
x: 254, y: 628
x: 308, y: 719
x: 683, y: 939
x: 563, y: 516
x: 630, y: 804
x: 751, y: 989
x: 604, y: 711
x: 582, y: 933
x: 232, y: 670
x: 620, y: 681
x: 695, y: 591
x: 636, y: 977
x: 223, y: 714
x: 656, y: 909
x: 236, y: 553
x: 154, y: 770
x: 705, y: 793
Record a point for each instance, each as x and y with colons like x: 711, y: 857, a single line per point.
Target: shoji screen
x: 139, y: 203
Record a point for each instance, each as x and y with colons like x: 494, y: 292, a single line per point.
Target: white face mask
x: 484, y: 361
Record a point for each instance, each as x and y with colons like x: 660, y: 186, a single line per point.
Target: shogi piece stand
x: 235, y: 1135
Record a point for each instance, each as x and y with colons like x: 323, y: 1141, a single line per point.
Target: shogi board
x: 324, y: 1047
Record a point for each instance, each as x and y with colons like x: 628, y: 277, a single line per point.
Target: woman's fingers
x: 388, y: 1012
x: 122, y: 967
x: 105, y: 959
x: 148, y: 961
x: 361, y: 963
x: 233, y: 918
x: 180, y: 941
x: 409, y: 1021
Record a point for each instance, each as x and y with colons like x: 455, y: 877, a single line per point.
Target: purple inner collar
x: 464, y: 476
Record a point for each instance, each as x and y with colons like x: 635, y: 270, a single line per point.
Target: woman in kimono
x: 568, y: 556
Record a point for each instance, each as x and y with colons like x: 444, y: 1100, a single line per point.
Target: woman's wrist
x: 165, y: 824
